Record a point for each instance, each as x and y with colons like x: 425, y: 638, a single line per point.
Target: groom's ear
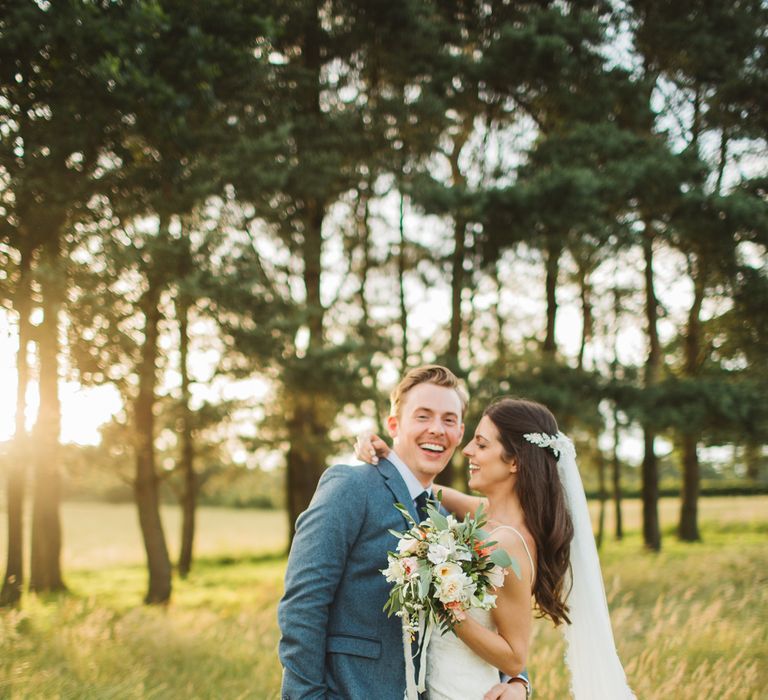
x: 392, y: 425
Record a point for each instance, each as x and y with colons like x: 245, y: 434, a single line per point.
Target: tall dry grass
x: 691, y: 622
x: 216, y: 640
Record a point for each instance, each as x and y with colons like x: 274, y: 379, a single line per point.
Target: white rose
x: 394, y: 572
x: 438, y: 553
x: 496, y: 576
x: 455, y: 588
x: 451, y: 589
x: 447, y: 539
x: 463, y: 554
x: 446, y: 569
x: 407, y: 545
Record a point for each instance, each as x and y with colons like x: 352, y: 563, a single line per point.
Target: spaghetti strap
x: 525, y: 544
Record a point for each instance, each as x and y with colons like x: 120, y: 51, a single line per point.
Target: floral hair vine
x: 557, y: 443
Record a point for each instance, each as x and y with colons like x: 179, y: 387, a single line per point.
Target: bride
x: 537, y: 511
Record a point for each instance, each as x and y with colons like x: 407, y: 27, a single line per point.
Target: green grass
x: 690, y: 622
x: 216, y: 640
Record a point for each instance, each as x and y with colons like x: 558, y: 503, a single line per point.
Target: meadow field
x: 690, y: 622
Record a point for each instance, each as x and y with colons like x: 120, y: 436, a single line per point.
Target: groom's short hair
x: 427, y: 374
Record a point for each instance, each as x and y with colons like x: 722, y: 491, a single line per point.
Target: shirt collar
x: 414, y: 485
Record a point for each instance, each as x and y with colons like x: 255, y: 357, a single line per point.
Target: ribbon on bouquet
x: 414, y: 686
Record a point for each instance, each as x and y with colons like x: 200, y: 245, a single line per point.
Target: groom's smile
x: 432, y: 447
x: 428, y: 429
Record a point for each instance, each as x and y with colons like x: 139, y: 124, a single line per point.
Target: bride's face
x: 487, y: 467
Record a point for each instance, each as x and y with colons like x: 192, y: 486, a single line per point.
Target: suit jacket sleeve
x: 325, y: 533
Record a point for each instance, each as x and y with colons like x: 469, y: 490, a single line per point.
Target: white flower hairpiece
x: 559, y: 444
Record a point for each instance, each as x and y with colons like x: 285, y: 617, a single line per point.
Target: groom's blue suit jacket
x: 336, y: 642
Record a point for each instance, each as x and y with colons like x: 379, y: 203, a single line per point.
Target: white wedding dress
x: 454, y: 671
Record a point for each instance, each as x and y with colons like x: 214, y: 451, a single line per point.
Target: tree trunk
x: 313, y: 206
x: 457, y: 287
x: 448, y: 475
x: 190, y: 485
x: 602, y: 495
x: 367, y: 331
x: 498, y: 318
x: 308, y: 427
x: 696, y: 122
x: 459, y: 252
x: 723, y: 161
x: 309, y: 416
x: 587, y: 325
x: 752, y: 459
x: 650, y: 493
x: 312, y: 249
x: 650, y: 468
x: 146, y: 486
x: 10, y: 595
x: 401, y: 268
x: 688, y: 528
x: 553, y: 253
x: 362, y: 215
x: 45, y: 560
x: 616, y: 463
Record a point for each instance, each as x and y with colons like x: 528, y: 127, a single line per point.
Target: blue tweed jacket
x: 337, y: 643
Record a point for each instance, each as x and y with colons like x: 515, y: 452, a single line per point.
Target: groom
x: 337, y: 643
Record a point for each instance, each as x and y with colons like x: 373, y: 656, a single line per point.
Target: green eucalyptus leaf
x: 439, y: 520
x: 425, y: 578
x: 501, y: 558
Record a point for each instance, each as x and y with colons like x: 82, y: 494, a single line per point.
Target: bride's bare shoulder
x: 511, y: 538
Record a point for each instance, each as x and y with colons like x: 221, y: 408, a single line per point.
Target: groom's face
x: 427, y: 430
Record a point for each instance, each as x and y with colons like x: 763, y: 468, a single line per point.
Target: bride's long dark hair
x: 542, y: 498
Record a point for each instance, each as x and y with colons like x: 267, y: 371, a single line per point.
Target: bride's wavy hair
x: 542, y: 498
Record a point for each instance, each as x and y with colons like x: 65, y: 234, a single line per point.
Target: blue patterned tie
x: 421, y: 505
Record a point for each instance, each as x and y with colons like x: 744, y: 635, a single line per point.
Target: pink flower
x: 496, y: 576
x: 456, y: 609
x: 481, y: 550
x: 410, y: 566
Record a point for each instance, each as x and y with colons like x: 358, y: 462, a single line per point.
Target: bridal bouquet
x: 441, y: 569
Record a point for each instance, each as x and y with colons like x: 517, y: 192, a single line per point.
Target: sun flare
x: 83, y: 409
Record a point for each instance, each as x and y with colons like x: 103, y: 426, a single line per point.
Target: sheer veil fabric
x: 595, y: 669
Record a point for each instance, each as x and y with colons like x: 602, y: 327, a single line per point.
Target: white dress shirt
x: 415, y: 487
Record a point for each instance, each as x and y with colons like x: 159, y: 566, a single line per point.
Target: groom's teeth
x: 432, y: 447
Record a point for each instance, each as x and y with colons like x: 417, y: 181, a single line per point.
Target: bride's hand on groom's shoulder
x: 369, y: 447
x: 506, y: 691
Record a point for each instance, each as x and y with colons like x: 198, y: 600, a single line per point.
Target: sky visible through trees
x: 234, y: 224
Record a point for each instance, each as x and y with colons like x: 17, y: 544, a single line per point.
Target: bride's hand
x: 506, y: 691
x: 369, y: 447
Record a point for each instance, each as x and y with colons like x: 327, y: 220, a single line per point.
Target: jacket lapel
x: 397, y: 486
